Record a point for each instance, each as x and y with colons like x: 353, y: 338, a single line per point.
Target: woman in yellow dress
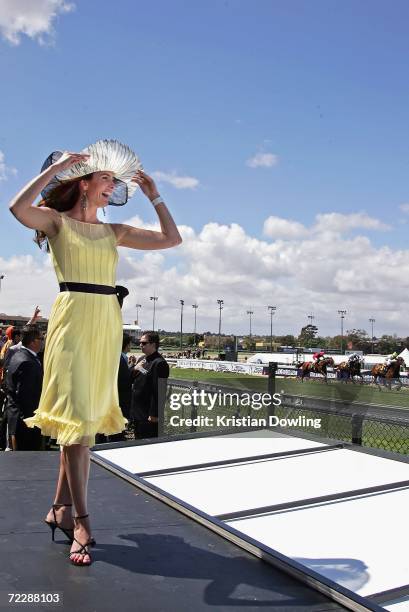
x: 84, y: 337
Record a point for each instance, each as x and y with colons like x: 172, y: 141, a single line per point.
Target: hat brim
x: 105, y: 155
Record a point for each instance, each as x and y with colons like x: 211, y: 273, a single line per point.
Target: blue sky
x: 272, y: 109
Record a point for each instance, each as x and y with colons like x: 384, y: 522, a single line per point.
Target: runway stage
x: 149, y: 557
x: 331, y: 514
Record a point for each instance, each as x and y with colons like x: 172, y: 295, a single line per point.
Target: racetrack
x: 335, y: 390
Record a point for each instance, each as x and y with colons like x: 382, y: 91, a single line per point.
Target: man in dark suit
x: 149, y: 388
x: 124, y: 385
x: 16, y: 344
x: 24, y: 379
x: 125, y: 379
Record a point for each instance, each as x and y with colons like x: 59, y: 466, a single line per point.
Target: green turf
x: 392, y: 437
x: 366, y: 394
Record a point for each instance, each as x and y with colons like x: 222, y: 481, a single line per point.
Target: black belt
x: 118, y: 290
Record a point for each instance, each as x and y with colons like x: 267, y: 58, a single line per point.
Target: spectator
x: 125, y: 378
x: 16, y: 339
x: 23, y: 382
x: 8, y: 341
x: 149, y: 388
x: 3, y: 337
x: 13, y: 344
x: 13, y: 337
x: 124, y: 390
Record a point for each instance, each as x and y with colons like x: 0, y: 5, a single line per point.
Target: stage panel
x: 359, y: 543
x: 356, y: 543
x: 399, y: 606
x: 219, y: 490
x: 178, y: 453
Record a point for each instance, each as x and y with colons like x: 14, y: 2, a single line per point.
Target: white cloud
x: 5, y: 171
x: 34, y: 18
x: 404, y: 208
x: 28, y: 281
x: 325, y: 224
x: 262, y: 160
x: 179, y: 182
x: 276, y: 227
x: 299, y: 270
x: 337, y: 222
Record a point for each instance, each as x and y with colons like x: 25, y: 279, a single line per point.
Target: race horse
x: 347, y: 370
x: 319, y: 368
x: 387, y: 374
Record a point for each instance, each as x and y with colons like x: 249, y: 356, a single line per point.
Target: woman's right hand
x: 68, y: 159
x: 42, y: 218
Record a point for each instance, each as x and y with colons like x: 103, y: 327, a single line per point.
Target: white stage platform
x: 332, y: 515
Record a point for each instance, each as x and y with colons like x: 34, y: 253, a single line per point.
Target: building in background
x: 134, y: 331
x: 19, y: 321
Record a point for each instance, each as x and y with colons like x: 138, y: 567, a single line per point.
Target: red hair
x: 62, y: 197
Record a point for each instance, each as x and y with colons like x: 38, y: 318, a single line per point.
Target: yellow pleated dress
x: 84, y: 340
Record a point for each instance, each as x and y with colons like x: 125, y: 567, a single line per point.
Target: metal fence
x: 382, y: 427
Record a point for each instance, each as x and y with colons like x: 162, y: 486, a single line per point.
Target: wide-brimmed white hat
x: 109, y: 155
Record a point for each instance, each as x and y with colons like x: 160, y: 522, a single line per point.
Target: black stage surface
x: 148, y: 556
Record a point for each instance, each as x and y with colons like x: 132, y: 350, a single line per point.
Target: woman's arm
x: 136, y: 238
x: 41, y: 218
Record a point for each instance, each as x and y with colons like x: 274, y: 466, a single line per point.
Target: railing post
x: 194, y: 411
x: 356, y: 422
x: 164, y: 393
x: 271, y: 385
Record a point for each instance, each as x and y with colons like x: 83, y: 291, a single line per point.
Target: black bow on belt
x: 120, y: 291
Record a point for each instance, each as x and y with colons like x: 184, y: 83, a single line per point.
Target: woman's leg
x: 62, y: 496
x: 77, y: 462
x: 63, y: 493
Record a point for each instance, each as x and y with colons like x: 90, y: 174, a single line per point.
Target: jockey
x: 391, y: 359
x: 317, y: 357
x: 354, y: 359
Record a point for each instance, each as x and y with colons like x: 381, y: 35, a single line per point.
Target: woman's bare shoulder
x: 55, y: 222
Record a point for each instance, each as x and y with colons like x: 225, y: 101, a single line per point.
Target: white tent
x: 405, y: 355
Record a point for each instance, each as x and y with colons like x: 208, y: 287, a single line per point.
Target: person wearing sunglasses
x: 149, y: 388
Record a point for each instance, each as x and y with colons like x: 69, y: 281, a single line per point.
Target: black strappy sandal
x: 69, y: 532
x: 82, y: 550
x: 55, y: 525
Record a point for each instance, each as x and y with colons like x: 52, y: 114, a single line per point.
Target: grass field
x: 366, y: 394
x: 387, y: 436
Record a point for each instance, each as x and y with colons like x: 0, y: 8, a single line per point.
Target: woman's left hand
x: 146, y: 183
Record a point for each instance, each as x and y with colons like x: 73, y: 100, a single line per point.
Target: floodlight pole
x: 342, y: 314
x: 181, y: 323
x: 372, y: 321
x: 154, y: 298
x: 220, y: 302
x: 137, y: 306
x: 250, y: 312
x: 195, y: 306
x: 272, y: 310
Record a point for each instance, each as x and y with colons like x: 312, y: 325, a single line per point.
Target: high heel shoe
x: 82, y: 550
x: 55, y: 525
